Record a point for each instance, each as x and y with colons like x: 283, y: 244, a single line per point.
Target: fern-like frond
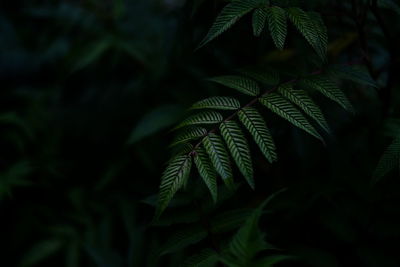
x: 255, y: 124
x: 229, y: 15
x: 219, y: 157
x: 303, y: 101
x: 239, y: 83
x: 189, y: 134
x: 239, y: 148
x: 329, y: 89
x: 206, y: 171
x: 389, y: 160
x: 322, y: 32
x: 277, y: 25
x: 356, y: 73
x: 263, y: 75
x: 309, y: 28
x: 286, y: 110
x: 217, y: 102
x: 259, y: 18
x: 181, y: 149
x: 206, y: 117
x: 174, y: 177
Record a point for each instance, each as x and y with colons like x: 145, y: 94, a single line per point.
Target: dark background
x: 89, y: 90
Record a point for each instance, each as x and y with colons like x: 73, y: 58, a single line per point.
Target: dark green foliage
x: 303, y: 101
x: 190, y: 133
x: 206, y: 117
x: 330, y: 90
x: 255, y: 124
x: 259, y: 18
x: 265, y: 76
x: 219, y: 157
x: 389, y: 161
x: 219, y: 102
x: 206, y: 171
x: 281, y: 100
x: 311, y: 27
x: 172, y: 180
x: 309, y: 24
x: 242, y: 84
x: 239, y: 149
x: 288, y: 111
x: 228, y: 16
x: 277, y: 25
x: 119, y: 148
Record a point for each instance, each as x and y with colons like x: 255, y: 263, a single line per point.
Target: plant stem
x: 249, y: 104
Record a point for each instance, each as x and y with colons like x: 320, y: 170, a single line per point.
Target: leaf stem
x: 249, y: 104
x: 254, y: 100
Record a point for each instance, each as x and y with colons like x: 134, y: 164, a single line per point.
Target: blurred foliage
x: 89, y: 91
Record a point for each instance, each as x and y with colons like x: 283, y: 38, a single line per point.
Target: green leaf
x: 206, y: 171
x: 239, y: 148
x: 205, y: 258
x: 174, y: 177
x: 92, y: 53
x: 154, y: 121
x: 270, y: 261
x: 13, y: 119
x: 189, y: 134
x: 206, y: 117
x: 263, y: 75
x: 322, y: 32
x: 330, y: 90
x: 312, y: 29
x: 259, y: 18
x: 286, y: 110
x: 181, y: 149
x: 239, y: 83
x: 389, y: 160
x: 356, y: 73
x: 255, y: 124
x: 229, y: 220
x: 218, y: 102
x: 183, y: 238
x: 16, y: 175
x: 248, y: 241
x: 41, y: 251
x: 229, y: 15
x: 302, y: 100
x: 277, y: 25
x: 219, y: 157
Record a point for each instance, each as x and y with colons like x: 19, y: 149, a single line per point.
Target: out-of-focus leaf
x: 92, y: 54
x: 154, y: 121
x: 15, y: 176
x: 40, y: 252
x: 15, y: 120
